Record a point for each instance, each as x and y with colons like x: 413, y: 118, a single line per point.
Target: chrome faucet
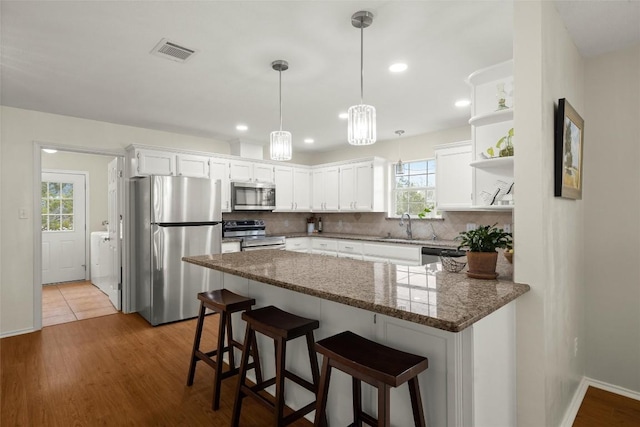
x: 434, y: 236
x: 409, y: 233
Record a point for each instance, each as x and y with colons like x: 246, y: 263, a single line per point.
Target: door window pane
x: 56, y: 206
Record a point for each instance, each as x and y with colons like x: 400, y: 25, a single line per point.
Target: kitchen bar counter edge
x: 459, y: 300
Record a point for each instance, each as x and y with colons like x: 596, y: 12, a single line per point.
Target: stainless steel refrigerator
x: 174, y: 216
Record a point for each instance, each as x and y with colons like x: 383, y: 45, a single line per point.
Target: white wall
x: 96, y: 167
x: 549, y: 231
x: 408, y: 148
x: 19, y: 129
x: 612, y: 219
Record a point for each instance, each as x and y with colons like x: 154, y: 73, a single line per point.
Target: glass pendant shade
x: 361, y: 125
x: 399, y: 168
x: 280, y: 145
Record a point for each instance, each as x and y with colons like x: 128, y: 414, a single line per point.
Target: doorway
x: 67, y: 292
x: 63, y: 214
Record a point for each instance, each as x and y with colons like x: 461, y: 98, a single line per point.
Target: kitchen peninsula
x: 466, y: 327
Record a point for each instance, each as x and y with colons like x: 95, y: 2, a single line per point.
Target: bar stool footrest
x: 300, y: 381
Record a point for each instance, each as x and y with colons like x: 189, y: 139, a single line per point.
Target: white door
x: 63, y: 213
x: 114, y: 190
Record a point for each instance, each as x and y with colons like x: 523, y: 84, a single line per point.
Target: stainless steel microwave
x: 253, y: 196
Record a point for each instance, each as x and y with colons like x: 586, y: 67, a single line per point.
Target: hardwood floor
x: 118, y: 370
x: 114, y: 370
x: 68, y: 302
x: 601, y: 408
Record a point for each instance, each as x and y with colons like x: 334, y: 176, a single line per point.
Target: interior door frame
x: 127, y: 301
x: 87, y: 240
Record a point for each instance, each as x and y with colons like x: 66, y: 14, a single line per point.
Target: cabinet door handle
x: 296, y: 205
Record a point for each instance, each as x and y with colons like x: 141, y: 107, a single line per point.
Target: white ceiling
x: 91, y: 59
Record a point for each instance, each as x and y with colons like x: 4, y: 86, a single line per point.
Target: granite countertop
x: 421, y: 294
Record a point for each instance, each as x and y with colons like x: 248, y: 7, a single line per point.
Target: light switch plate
x: 22, y: 213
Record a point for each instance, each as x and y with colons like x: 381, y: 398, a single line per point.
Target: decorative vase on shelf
x: 501, y: 95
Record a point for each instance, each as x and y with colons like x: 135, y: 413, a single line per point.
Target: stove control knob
x: 260, y: 222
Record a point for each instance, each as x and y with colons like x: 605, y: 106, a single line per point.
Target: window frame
x: 393, y: 191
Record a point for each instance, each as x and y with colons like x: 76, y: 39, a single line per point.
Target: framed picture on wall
x: 568, y: 152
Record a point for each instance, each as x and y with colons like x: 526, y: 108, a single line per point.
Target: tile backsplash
x: 376, y: 224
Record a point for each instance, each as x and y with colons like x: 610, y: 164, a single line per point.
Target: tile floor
x: 68, y: 302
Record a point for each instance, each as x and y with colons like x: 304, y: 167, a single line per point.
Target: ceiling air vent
x: 174, y: 52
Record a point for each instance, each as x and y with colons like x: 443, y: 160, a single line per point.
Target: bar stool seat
x: 224, y: 303
x: 281, y: 326
x: 378, y: 365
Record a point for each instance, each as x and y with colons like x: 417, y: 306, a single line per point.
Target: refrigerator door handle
x: 158, y: 246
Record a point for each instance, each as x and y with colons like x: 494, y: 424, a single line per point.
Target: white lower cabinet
x: 324, y: 246
x: 361, y: 250
x: 298, y: 244
x: 229, y: 247
x: 349, y: 249
x: 394, y: 253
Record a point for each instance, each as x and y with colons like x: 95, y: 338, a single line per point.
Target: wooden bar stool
x: 224, y: 303
x: 381, y: 366
x: 281, y: 327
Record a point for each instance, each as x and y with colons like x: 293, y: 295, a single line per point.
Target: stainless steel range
x: 253, y: 235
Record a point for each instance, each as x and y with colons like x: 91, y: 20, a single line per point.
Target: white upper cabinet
x: 301, y: 189
x: 347, y: 188
x: 153, y: 162
x: 293, y: 189
x: 284, y: 188
x: 263, y: 172
x: 325, y: 191
x: 240, y: 170
x: 246, y: 171
x: 453, y: 175
x: 362, y: 186
x: 219, y: 169
x: 193, y: 166
x: 491, y: 122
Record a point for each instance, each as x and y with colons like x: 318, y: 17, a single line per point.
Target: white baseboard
x: 18, y: 332
x: 574, y: 406
x: 613, y: 388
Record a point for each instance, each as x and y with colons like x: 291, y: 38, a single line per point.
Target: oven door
x: 259, y: 248
x: 257, y: 243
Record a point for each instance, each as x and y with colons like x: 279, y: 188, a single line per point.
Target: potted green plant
x: 481, y: 245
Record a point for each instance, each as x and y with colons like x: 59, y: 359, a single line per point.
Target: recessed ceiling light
x: 343, y: 115
x: 242, y: 127
x: 49, y: 150
x: 398, y: 68
x: 308, y: 141
x: 462, y: 103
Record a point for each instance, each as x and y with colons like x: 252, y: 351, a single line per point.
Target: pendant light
x: 399, y: 165
x: 280, y: 140
x: 361, y: 123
